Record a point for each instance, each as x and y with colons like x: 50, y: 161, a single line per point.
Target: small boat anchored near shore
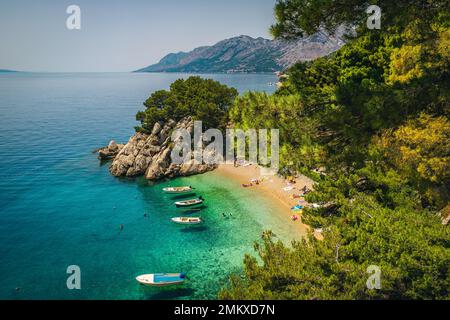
x: 161, y: 279
x: 178, y: 190
x: 187, y: 221
x: 189, y: 203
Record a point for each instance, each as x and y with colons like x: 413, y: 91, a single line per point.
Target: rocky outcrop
x: 110, y: 152
x: 150, y: 154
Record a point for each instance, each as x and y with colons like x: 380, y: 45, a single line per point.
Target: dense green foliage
x: 262, y: 111
x: 299, y: 17
x: 414, y: 265
x: 203, y: 99
x: 375, y: 116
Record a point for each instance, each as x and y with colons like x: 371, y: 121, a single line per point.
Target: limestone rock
x: 109, y: 152
x: 150, y: 154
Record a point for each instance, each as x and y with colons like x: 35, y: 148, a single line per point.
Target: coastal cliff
x: 150, y: 154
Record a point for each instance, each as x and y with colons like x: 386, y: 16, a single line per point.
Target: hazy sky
x: 120, y: 35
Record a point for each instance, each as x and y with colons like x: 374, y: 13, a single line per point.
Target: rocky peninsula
x: 150, y: 154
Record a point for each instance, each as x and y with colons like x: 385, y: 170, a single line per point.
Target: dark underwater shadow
x: 104, y: 162
x: 154, y: 183
x: 194, y: 229
x: 192, y: 210
x: 168, y: 294
x: 183, y: 196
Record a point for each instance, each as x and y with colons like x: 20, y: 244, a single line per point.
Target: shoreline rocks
x: 150, y: 154
x: 109, y: 152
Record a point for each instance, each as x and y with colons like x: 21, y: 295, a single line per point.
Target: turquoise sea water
x: 60, y: 207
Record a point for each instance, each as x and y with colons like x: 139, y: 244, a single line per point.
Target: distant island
x: 8, y: 71
x: 244, y: 54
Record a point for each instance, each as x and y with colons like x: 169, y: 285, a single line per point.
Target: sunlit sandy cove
x: 274, y: 187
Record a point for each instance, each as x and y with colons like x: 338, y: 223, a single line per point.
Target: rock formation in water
x: 150, y: 154
x: 110, y: 152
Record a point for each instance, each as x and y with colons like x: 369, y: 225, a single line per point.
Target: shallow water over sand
x: 60, y: 207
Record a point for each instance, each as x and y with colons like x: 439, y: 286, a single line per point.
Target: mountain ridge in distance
x: 244, y: 54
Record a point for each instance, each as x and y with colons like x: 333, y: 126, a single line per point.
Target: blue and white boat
x: 161, y: 279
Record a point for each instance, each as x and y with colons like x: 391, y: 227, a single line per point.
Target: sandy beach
x: 270, y: 186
